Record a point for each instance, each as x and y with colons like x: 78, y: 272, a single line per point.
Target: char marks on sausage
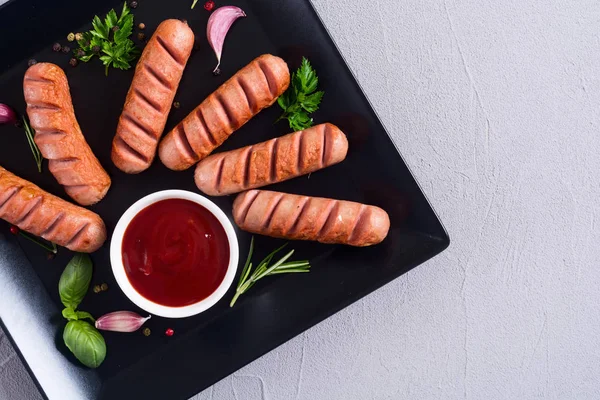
x: 59, y: 137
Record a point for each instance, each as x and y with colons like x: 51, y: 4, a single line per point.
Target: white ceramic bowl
x: 116, y: 257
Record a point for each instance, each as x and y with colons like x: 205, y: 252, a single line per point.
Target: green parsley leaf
x: 110, y: 40
x: 301, y: 98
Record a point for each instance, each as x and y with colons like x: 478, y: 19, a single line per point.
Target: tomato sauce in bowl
x: 175, y: 252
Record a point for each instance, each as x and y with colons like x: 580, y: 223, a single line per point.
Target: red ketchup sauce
x: 175, y: 253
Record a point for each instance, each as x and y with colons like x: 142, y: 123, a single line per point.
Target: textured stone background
x: 496, y: 108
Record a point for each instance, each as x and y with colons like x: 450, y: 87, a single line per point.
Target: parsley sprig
x: 302, y: 97
x: 109, y: 40
x: 247, y: 280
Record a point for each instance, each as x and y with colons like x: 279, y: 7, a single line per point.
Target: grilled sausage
x: 296, y: 217
x: 276, y: 160
x: 59, y: 137
x: 33, y: 210
x: 250, y: 90
x: 149, y: 100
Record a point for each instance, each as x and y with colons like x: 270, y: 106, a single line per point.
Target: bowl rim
x: 116, y: 258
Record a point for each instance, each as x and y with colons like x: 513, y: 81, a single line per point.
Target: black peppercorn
x: 96, y: 49
x: 73, y: 62
x: 141, y: 36
x: 31, y: 62
x: 217, y: 72
x: 66, y: 49
x: 79, y: 53
x: 115, y: 28
x: 133, y: 4
x: 57, y: 47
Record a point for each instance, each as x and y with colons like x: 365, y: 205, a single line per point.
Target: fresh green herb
x: 49, y: 246
x: 85, y: 342
x: 109, y: 40
x: 302, y: 98
x: 37, y: 155
x: 72, y: 315
x: 75, y: 280
x: 247, y: 280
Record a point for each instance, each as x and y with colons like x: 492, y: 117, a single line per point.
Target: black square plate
x: 212, y: 345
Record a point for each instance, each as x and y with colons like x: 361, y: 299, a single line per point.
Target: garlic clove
x: 7, y: 115
x: 121, y: 321
x: 219, y: 24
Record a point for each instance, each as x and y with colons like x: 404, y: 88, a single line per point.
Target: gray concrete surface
x: 496, y: 107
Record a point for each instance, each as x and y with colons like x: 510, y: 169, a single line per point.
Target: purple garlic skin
x: 219, y: 24
x: 121, y: 321
x: 7, y: 115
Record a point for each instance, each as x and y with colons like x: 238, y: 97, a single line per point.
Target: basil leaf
x: 75, y: 280
x: 85, y: 342
x: 70, y: 314
x: 84, y: 315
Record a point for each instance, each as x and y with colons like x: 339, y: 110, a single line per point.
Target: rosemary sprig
x: 37, y: 155
x: 51, y: 247
x: 249, y: 278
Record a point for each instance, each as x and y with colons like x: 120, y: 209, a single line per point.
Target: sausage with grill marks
x: 276, y: 160
x: 250, y: 90
x: 59, y: 137
x: 295, y: 217
x: 33, y: 210
x: 149, y: 100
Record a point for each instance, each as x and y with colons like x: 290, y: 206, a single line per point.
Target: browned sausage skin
x: 33, y: 210
x: 276, y: 160
x: 149, y: 100
x: 250, y: 90
x: 59, y: 137
x: 297, y: 217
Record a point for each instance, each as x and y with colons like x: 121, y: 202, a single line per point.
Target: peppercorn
x: 146, y: 331
x: 96, y: 49
x: 169, y: 332
x: 142, y: 25
x: 56, y: 47
x: 66, y: 49
x: 79, y: 53
x: 133, y: 4
x: 50, y: 256
x: 209, y: 5
x: 217, y: 72
x: 14, y: 230
x: 115, y: 28
x: 78, y: 36
x: 176, y: 104
x: 104, y: 287
x: 73, y: 62
x: 31, y: 62
x: 71, y: 37
x: 141, y: 36
x: 97, y: 289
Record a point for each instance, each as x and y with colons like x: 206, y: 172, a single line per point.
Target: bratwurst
x: 276, y: 160
x: 149, y: 100
x: 59, y: 137
x: 295, y: 217
x: 33, y: 210
x: 250, y: 90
